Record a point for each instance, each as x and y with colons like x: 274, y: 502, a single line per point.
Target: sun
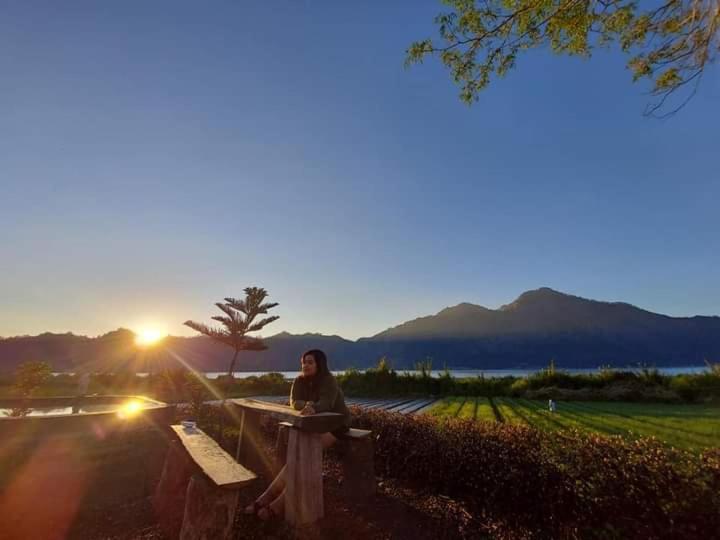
x: 148, y: 336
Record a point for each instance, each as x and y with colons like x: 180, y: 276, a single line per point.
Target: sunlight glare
x: 148, y: 336
x: 129, y: 409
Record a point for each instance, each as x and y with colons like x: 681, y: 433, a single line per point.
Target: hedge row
x: 606, y: 384
x: 568, y: 484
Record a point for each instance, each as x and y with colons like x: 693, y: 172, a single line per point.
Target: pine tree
x: 238, y: 321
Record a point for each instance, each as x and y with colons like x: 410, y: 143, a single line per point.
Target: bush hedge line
x: 606, y: 384
x: 182, y: 385
x: 569, y: 484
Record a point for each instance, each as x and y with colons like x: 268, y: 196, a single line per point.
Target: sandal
x: 254, y: 508
x: 271, y: 513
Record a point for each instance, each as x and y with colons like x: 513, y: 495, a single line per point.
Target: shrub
x: 560, y: 379
x: 197, y: 393
x: 268, y: 383
x: 381, y: 380
x: 566, y: 484
x: 29, y: 376
x: 519, y: 387
x: 696, y: 387
x: 652, y: 376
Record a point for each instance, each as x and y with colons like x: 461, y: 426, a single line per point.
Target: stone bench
x: 198, y: 493
x: 357, y: 461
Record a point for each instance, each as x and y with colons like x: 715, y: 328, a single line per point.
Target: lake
x: 459, y: 373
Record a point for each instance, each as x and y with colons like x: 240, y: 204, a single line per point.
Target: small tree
x: 424, y: 367
x: 239, y: 319
x: 714, y: 367
x: 197, y: 394
x: 29, y: 376
x: 551, y: 367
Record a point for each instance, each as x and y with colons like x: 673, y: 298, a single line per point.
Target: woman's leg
x: 328, y: 439
x: 277, y: 486
x: 277, y: 507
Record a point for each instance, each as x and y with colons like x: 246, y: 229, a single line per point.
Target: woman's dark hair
x: 320, y: 360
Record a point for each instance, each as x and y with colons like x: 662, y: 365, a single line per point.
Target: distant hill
x: 116, y: 351
x: 543, y: 324
x: 539, y: 325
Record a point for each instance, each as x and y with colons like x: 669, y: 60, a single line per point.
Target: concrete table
x: 303, y: 473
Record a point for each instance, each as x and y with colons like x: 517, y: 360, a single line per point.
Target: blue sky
x: 158, y: 156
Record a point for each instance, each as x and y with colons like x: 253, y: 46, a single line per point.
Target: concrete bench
x: 197, y: 497
x: 357, y: 461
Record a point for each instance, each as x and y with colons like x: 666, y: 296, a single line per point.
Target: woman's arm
x: 328, y: 395
x: 297, y: 404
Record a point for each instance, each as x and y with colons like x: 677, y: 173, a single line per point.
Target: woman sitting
x: 315, y: 390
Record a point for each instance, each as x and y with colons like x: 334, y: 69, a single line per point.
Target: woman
x: 315, y: 390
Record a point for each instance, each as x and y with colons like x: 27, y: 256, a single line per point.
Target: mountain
x: 543, y: 311
x: 539, y: 325
x: 116, y: 351
x: 283, y: 353
x: 543, y: 324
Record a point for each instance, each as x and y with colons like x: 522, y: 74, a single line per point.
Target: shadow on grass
x: 462, y: 404
x: 531, y: 418
x: 583, y: 421
x: 537, y: 411
x: 510, y: 413
x: 496, y: 411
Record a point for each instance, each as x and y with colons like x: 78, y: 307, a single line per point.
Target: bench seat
x: 198, y: 493
x: 212, y: 460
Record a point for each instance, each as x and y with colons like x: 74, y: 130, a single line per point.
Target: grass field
x: 692, y: 427
x: 477, y: 408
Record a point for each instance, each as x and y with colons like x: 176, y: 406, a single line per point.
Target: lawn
x: 692, y: 427
x: 477, y: 408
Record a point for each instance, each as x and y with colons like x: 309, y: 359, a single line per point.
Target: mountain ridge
x: 538, y: 325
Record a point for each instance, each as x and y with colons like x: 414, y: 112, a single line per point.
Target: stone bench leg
x: 357, y: 460
x: 209, y: 511
x: 281, y: 444
x: 169, y: 500
x: 250, y: 453
x: 358, y: 469
x: 303, y: 477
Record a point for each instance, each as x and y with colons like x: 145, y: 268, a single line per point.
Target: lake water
x: 459, y: 373
x: 83, y: 409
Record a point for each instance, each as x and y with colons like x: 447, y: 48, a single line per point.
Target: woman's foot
x: 257, y: 505
x: 268, y: 512
x: 252, y: 508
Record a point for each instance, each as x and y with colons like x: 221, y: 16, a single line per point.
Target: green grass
x: 460, y: 407
x: 468, y: 409
x: 484, y: 410
x: 686, y: 426
x: 509, y: 412
x: 447, y: 407
x: 692, y: 427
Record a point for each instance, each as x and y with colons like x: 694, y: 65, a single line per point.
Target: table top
x: 314, y: 423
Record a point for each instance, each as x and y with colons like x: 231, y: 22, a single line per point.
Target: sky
x: 156, y: 157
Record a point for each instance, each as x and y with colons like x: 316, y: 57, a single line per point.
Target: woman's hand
x: 308, y: 409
